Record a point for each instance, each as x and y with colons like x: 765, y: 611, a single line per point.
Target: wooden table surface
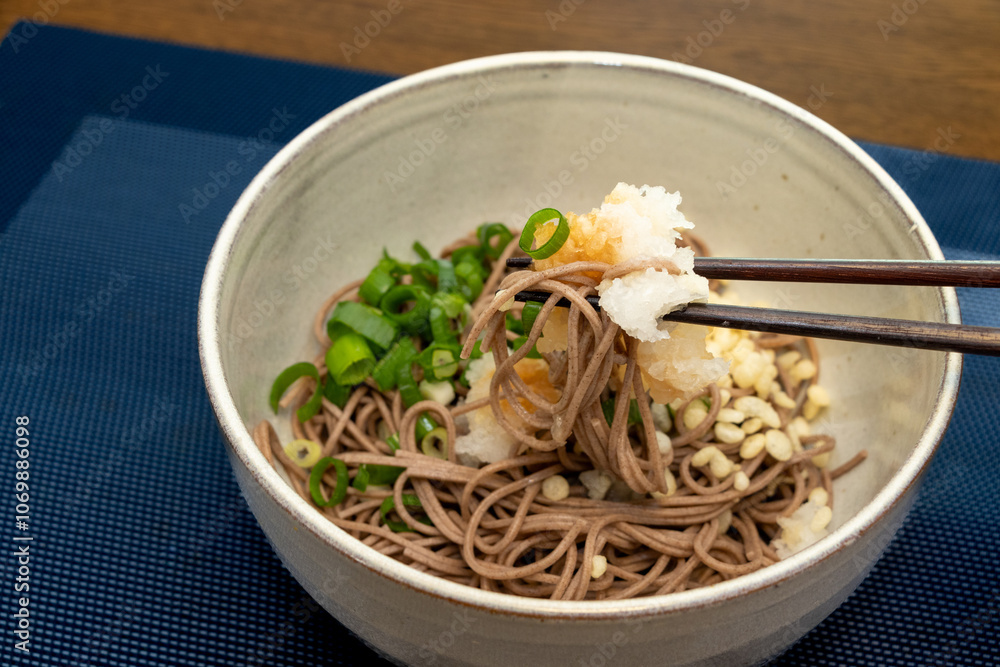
x: 917, y: 73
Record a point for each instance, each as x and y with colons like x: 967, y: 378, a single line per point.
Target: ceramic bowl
x: 431, y: 156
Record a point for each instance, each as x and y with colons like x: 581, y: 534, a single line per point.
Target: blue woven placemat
x: 118, y: 162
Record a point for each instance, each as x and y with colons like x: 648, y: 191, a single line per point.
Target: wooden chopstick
x: 878, y: 330
x: 856, y: 271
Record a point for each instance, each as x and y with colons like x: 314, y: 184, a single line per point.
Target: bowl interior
x: 432, y: 158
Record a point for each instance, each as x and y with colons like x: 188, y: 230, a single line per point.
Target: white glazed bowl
x: 432, y: 155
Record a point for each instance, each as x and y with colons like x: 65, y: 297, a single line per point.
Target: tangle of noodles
x: 494, y: 528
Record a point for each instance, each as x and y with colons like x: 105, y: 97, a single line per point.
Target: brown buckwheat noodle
x: 493, y: 528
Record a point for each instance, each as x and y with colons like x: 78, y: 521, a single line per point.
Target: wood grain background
x: 896, y: 71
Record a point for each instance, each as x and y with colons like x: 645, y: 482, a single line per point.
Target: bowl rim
x: 241, y: 444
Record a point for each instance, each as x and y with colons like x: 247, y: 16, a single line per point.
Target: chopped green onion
x: 426, y: 358
x: 396, y: 268
x: 467, y: 253
x: 336, y: 393
x: 528, y: 315
x: 494, y: 230
x: 305, y: 453
x: 425, y: 274
x: 634, y: 416
x: 435, y: 443
x: 453, y: 305
x: 366, y: 321
x: 447, y: 282
x: 413, y: 321
x: 375, y: 475
x: 471, y: 276
x: 443, y: 363
x: 349, y: 360
x: 389, y: 504
x: 707, y: 402
x: 361, y: 479
x: 335, y: 330
x: 410, y: 393
x: 393, y: 441
x: 387, y: 368
x: 378, y: 282
x: 316, y: 476
x: 533, y: 353
x: 422, y: 251
x: 284, y: 381
x: 555, y: 242
x: 514, y: 324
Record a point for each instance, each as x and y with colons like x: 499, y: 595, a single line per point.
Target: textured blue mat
x: 113, y: 164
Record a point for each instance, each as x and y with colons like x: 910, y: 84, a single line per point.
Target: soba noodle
x: 674, y: 518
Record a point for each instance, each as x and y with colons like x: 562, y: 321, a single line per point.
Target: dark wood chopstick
x: 878, y: 330
x: 856, y: 271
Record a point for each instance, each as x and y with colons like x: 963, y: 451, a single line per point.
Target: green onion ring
x: 316, y: 475
x: 550, y: 247
x: 428, y: 445
x: 389, y: 504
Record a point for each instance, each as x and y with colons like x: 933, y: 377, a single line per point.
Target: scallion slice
x: 305, y: 453
x: 361, y: 479
x: 447, y: 282
x: 419, y: 248
x: 389, y: 504
x: 410, y: 393
x: 533, y: 353
x: 443, y: 363
x: 634, y: 416
x: 414, y: 320
x: 316, y: 476
x: 349, y: 360
x: 387, y: 368
x: 555, y: 242
x: 435, y: 443
x: 528, y: 315
x: 467, y: 253
x: 493, y: 230
x: 284, y: 381
x: 366, y: 321
x: 382, y: 475
x: 378, y: 282
x: 336, y: 393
